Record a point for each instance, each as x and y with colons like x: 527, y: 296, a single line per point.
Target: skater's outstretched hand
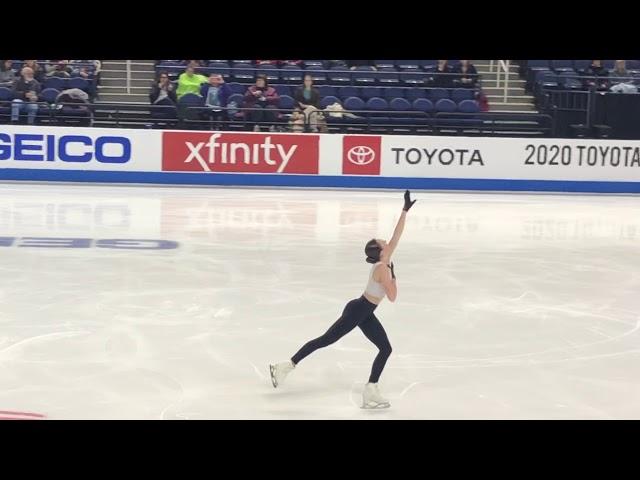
x: 407, y: 201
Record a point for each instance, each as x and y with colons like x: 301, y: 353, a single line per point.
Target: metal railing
x: 238, y: 119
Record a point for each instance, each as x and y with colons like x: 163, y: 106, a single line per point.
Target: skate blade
x: 273, y: 378
x: 375, y: 406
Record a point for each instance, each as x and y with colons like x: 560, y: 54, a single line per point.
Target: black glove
x: 393, y: 274
x: 407, y: 201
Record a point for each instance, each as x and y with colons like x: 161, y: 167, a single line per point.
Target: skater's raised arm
x: 397, y: 233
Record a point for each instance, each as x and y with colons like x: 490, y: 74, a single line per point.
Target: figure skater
x: 359, y: 313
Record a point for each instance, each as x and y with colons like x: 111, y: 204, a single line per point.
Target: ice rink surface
x: 509, y: 306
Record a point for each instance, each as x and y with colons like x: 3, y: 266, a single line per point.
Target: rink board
x: 59, y: 154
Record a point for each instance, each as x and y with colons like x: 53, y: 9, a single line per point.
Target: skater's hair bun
x: 372, y: 251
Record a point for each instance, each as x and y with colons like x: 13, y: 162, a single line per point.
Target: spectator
x: 442, y: 76
x: 190, y: 81
x: 25, y: 93
x: 38, y: 72
x: 216, y: 93
x: 163, y: 92
x: 307, y: 98
x: 596, y: 73
x: 467, y: 74
x: 264, y: 100
x: 59, y: 69
x: 7, y: 74
x: 620, y: 73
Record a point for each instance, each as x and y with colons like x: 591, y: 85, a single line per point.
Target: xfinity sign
x: 64, y: 148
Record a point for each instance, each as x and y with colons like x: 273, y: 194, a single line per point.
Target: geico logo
x: 65, y: 216
x: 445, y: 156
x: 65, y: 148
x: 206, y: 153
x: 54, y: 242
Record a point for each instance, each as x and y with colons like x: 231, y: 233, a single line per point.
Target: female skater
x: 359, y: 313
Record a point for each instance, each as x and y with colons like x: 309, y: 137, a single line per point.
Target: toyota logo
x: 361, y: 155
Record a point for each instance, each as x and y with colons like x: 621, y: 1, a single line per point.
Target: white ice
x: 509, y: 306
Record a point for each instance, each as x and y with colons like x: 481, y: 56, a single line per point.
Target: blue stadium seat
x: 243, y: 74
x: 370, y: 92
x: 78, y: 82
x: 460, y: 94
x: 423, y: 105
x: 393, y: 92
x: 354, y: 104
x: 388, y: 78
x: 446, y: 105
x: 314, y: 63
x: 339, y: 76
x: 329, y: 100
x: 377, y: 103
x: 286, y: 102
x: 55, y: 82
x: 436, y: 94
x: 413, y: 79
x: 413, y: 93
x: 49, y: 95
x: 409, y: 64
x: 348, y: 91
x: 384, y: 63
x: 237, y: 87
x: 400, y: 104
x: 291, y: 74
x: 283, y: 89
x: 327, y: 90
x: 468, y: 106
x: 559, y: 66
x: 364, y: 75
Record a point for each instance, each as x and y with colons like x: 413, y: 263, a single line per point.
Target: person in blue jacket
x: 216, y: 94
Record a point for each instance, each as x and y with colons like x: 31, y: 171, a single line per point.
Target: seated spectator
x: 467, y: 74
x: 619, y: 74
x: 38, y: 72
x: 7, y: 74
x: 307, y: 98
x: 264, y: 100
x: 190, y: 81
x: 442, y: 77
x: 163, y: 92
x: 59, y: 68
x: 596, y: 72
x: 216, y: 93
x: 25, y: 94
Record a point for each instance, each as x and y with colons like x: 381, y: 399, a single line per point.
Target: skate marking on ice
x: 261, y: 375
x: 11, y: 415
x: 38, y: 338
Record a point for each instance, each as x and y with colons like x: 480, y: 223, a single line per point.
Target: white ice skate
x: 279, y: 372
x: 371, y: 397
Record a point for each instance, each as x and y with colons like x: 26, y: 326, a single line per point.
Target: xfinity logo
x: 208, y: 153
x: 65, y: 148
x: 361, y: 155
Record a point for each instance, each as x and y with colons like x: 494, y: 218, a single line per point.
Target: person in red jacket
x: 263, y: 100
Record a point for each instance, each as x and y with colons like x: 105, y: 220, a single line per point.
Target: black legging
x: 357, y: 313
